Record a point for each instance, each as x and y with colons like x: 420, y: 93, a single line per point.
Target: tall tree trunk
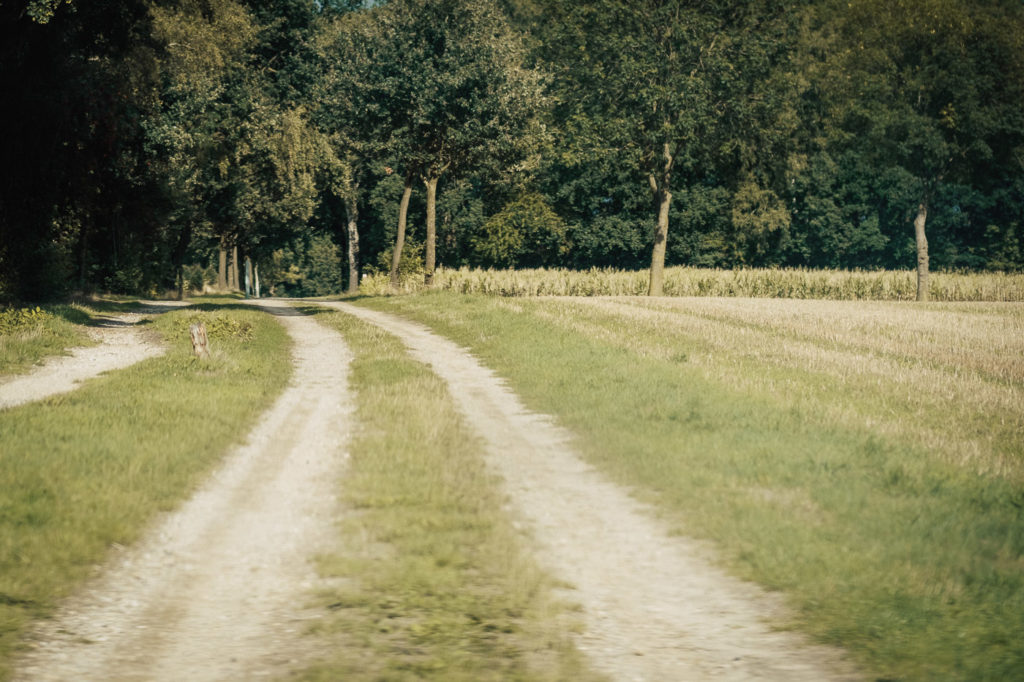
x: 430, y: 248
x: 922, y: 250
x: 222, y: 267
x: 181, y: 282
x: 403, y: 212
x: 664, y: 200
x: 235, y: 286
x: 178, y: 257
x: 352, y: 216
x: 663, y: 197
x: 83, y: 257
x: 256, y: 279
x: 248, y: 277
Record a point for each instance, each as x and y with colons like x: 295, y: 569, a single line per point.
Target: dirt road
x: 655, y: 607
x: 216, y: 591
x: 120, y: 344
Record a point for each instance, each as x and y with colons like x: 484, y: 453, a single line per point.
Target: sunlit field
x: 865, y: 459
x: 880, y: 285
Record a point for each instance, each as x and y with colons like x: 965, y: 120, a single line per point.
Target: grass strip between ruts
x: 86, y: 470
x: 912, y: 563
x: 433, y: 579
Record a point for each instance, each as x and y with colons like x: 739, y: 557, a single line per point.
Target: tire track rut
x: 654, y: 606
x: 216, y: 590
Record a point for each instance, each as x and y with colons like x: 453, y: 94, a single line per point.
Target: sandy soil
x: 217, y: 590
x: 655, y: 607
x: 120, y: 344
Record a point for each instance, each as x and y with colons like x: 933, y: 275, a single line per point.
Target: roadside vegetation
x: 83, y: 472
x: 434, y: 582
x: 875, y: 285
x: 29, y: 334
x: 865, y: 459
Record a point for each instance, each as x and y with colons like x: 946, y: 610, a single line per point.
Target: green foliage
x: 15, y: 320
x: 312, y: 271
x: 526, y: 233
x: 219, y: 326
x: 154, y: 133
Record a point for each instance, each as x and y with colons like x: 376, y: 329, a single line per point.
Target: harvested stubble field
x: 865, y: 459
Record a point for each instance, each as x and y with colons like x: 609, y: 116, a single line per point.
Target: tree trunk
x: 922, y: 251
x: 403, y: 212
x: 256, y: 279
x: 430, y: 247
x: 83, y: 258
x: 178, y: 257
x: 352, y: 216
x: 222, y: 267
x: 234, y: 269
x: 248, y: 277
x: 181, y: 282
x: 664, y: 199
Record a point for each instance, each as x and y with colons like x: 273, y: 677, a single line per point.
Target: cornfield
x: 881, y: 285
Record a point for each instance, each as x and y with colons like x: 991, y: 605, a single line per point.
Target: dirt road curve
x: 120, y: 344
x: 654, y: 608
x: 216, y: 591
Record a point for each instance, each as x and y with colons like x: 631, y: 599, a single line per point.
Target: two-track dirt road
x: 216, y: 591
x: 121, y: 343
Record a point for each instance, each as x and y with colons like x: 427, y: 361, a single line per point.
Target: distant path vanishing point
x: 218, y: 589
x: 654, y: 608
x: 120, y: 344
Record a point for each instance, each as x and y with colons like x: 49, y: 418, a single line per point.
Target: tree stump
x: 200, y: 344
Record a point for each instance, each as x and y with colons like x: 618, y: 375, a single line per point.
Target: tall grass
x: 434, y: 582
x: 86, y: 470
x: 865, y: 459
x: 883, y: 285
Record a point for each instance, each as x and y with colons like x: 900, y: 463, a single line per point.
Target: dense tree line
x: 315, y: 139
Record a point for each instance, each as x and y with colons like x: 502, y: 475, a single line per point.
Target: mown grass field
x: 865, y: 459
x: 85, y: 471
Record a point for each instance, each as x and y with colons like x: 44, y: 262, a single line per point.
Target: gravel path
x: 120, y: 344
x: 217, y: 590
x: 654, y: 606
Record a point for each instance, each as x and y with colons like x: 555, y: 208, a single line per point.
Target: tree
x: 927, y: 94
x: 466, y: 97
x: 661, y: 85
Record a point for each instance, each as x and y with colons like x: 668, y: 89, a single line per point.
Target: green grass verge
x: 85, y: 470
x: 433, y: 583
x: 27, y: 335
x: 912, y: 562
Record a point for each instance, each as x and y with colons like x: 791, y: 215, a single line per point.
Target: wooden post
x: 200, y: 343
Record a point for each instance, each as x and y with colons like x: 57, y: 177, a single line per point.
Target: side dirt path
x: 121, y: 344
x: 654, y: 606
x: 216, y: 590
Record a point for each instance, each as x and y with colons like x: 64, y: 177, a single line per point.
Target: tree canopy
x: 144, y: 136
